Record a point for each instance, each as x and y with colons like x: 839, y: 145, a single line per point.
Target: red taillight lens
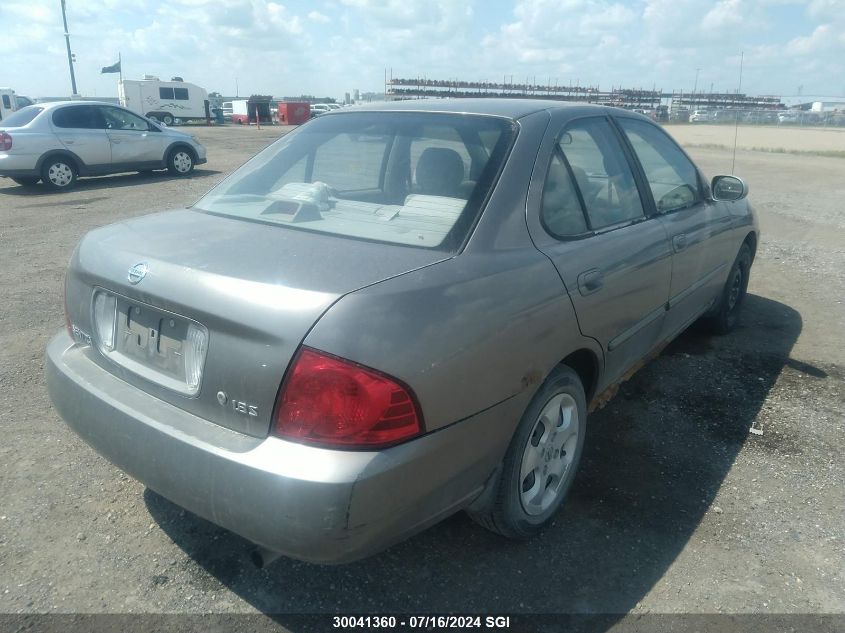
x: 330, y: 401
x: 5, y: 142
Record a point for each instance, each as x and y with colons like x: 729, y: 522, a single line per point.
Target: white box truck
x: 164, y: 101
x: 9, y: 102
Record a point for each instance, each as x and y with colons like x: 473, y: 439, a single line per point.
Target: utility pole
x: 69, y: 54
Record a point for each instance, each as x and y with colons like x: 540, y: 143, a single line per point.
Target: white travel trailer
x: 164, y: 101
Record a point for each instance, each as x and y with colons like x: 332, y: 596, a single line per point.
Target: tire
x: 726, y: 314
x: 522, y: 503
x: 59, y: 173
x: 180, y: 162
x: 167, y: 119
x: 27, y: 181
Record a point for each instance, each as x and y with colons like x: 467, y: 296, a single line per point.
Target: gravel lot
x: 678, y: 507
x: 768, y: 137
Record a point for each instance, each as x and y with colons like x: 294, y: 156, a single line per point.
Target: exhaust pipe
x: 261, y: 557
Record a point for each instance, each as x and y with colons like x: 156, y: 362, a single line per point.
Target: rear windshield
x: 410, y: 178
x: 21, y: 117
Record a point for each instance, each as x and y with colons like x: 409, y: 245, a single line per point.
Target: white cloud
x: 821, y: 38
x: 316, y: 16
x: 559, y: 33
x: 422, y: 18
x: 827, y: 9
x: 290, y: 47
x: 726, y: 14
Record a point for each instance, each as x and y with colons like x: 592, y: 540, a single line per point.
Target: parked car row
x: 58, y: 142
x: 321, y: 108
x: 763, y: 117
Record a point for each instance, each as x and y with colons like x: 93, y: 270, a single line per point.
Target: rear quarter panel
x: 28, y: 145
x: 464, y: 334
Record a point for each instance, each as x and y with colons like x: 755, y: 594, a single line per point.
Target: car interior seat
x: 439, y: 172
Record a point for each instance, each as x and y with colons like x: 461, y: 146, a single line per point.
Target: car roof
x: 510, y: 108
x: 48, y: 105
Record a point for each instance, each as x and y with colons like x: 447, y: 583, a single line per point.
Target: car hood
x: 258, y: 289
x: 175, y: 133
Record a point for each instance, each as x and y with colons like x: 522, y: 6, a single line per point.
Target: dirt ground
x: 767, y: 137
x: 678, y: 507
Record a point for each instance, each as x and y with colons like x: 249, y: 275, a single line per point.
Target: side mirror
x: 728, y: 188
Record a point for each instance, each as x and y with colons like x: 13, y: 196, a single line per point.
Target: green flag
x: 114, y: 68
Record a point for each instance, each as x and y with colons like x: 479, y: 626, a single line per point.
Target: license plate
x: 165, y: 348
x: 151, y: 337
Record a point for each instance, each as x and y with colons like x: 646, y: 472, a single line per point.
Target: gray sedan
x: 392, y: 314
x: 60, y: 141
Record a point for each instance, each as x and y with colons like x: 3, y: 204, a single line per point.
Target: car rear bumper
x: 305, y: 502
x: 18, y: 173
x: 15, y: 165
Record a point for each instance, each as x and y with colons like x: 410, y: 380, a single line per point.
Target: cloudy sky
x: 328, y: 47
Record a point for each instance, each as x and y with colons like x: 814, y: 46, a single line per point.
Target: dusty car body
x: 492, y: 306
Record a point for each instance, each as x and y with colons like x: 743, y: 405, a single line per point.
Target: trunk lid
x: 256, y: 289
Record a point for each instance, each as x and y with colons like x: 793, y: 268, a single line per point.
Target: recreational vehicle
x: 164, y: 101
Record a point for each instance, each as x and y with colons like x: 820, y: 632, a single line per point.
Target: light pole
x: 694, y: 89
x: 69, y: 54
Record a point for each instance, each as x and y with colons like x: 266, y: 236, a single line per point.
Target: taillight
x: 5, y: 142
x: 333, y: 402
x: 105, y: 315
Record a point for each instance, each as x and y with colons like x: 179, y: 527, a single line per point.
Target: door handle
x: 115, y: 141
x: 679, y: 242
x: 590, y: 281
x: 67, y: 141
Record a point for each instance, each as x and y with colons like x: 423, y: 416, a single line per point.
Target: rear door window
x: 561, y: 210
x: 77, y: 117
x: 601, y: 172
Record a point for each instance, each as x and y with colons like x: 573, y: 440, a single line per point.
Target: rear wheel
x: 181, y: 162
x: 27, y: 181
x: 59, y: 173
x: 726, y: 313
x: 542, y: 460
x: 167, y: 119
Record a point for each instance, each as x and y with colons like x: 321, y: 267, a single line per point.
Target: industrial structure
x: 631, y: 98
